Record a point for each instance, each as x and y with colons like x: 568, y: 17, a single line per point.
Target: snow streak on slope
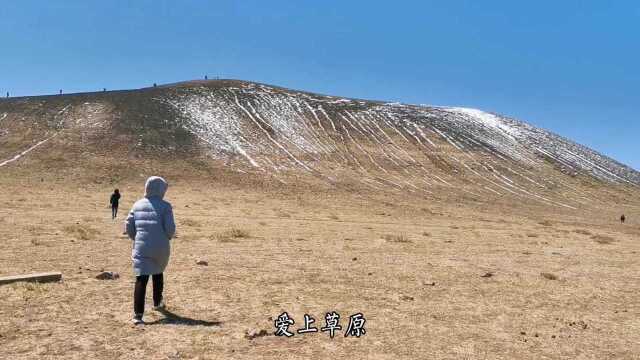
x: 389, y: 145
x: 542, y: 143
x: 23, y: 153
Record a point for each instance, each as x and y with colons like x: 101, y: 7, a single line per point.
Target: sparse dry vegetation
x: 34, y: 229
x: 81, y: 231
x: 231, y: 235
x: 582, y: 232
x: 396, y: 238
x: 29, y: 291
x: 603, y: 239
x: 190, y: 223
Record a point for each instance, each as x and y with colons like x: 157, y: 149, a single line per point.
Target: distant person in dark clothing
x: 115, y: 199
x: 623, y: 218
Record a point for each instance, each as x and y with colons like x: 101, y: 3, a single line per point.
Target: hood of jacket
x: 155, y: 186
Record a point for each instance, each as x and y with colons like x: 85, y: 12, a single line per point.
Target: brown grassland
x: 434, y: 279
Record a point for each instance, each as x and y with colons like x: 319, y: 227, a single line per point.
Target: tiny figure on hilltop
x: 623, y: 218
x: 151, y: 226
x: 115, y: 200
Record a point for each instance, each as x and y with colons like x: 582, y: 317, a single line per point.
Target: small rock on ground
x: 108, y: 275
x: 255, y: 333
x: 549, y: 276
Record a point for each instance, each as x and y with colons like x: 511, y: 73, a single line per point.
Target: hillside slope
x: 291, y: 136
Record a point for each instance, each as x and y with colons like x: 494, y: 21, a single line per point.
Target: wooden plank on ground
x: 40, y: 277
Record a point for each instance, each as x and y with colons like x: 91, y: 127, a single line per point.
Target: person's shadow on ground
x: 174, y: 319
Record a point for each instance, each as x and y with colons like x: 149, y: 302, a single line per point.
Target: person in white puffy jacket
x: 150, y: 224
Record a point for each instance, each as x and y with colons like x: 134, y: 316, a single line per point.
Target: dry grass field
x: 434, y: 279
x: 456, y: 233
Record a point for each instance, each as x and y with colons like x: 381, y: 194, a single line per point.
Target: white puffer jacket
x: 151, y: 226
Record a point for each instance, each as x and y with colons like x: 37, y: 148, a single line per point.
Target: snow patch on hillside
x: 486, y: 119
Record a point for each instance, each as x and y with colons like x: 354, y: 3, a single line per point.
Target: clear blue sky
x: 568, y: 66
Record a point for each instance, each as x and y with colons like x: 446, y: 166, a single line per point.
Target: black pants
x: 114, y: 211
x: 141, y: 289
